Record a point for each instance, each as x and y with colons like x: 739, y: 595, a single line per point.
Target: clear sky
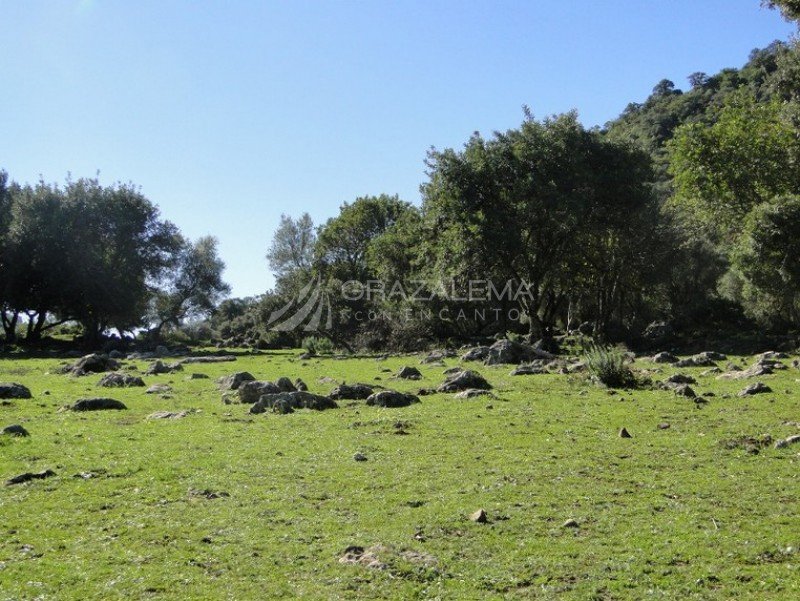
x: 228, y: 114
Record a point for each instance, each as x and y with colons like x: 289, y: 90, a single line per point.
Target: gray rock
x: 159, y: 389
x: 251, y: 391
x: 197, y: 377
x: 664, y: 357
x: 464, y: 380
x: 785, y: 442
x: 658, y: 331
x: 528, y: 370
x: 513, y: 353
x: 300, y: 385
x: 359, y: 457
x: 701, y: 360
x: 685, y: 390
x: 15, y: 430
x: 295, y: 400
x: 233, y: 381
x: 157, y: 368
x: 285, y: 385
x: 471, y: 393
x: 98, y: 404
x: 94, y: 363
x: 210, y: 359
x: 29, y: 476
x: 118, y: 380
x: 479, y: 353
x: 680, y: 379
x: 351, y: 392
x: 11, y: 390
x: 757, y: 388
x: 391, y: 399
x: 409, y: 373
x: 281, y: 407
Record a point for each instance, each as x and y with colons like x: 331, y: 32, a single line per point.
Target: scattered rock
x: 700, y: 360
x: 359, y: 457
x: 570, y: 524
x: 251, y: 391
x: 99, y: 404
x: 663, y: 426
x: 94, y: 363
x: 757, y: 388
x: 471, y: 393
x: 409, y: 373
x: 623, y: 433
x: 197, y: 376
x: 28, y: 476
x: 295, y: 400
x: 368, y: 558
x: 285, y: 385
x: 773, y: 355
x: 464, y: 380
x: 479, y: 516
x: 711, y: 372
x: 751, y: 444
x: 300, y: 385
x: 435, y: 357
x: 452, y: 370
x: 685, y: 390
x: 157, y: 368
x: 658, y: 331
x: 159, y: 389
x: 351, y: 392
x: 15, y: 430
x: 785, y: 442
x: 511, y: 352
x: 391, y: 399
x: 280, y: 407
x: 528, y: 370
x: 680, y: 379
x: 209, y: 359
x: 171, y: 414
x: 234, y: 381
x: 479, y: 353
x: 118, y: 380
x: 208, y: 493
x: 10, y: 390
x: 664, y: 357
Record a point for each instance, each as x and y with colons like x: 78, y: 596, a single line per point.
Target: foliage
x: 292, y: 247
x: 318, y: 345
x: 610, y: 366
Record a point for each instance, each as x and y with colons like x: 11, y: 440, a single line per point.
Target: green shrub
x: 609, y: 366
x: 317, y: 345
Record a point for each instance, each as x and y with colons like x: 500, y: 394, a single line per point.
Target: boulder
x: 251, y: 391
x: 351, y: 392
x: 300, y: 385
x: 99, y: 404
x: 658, y: 331
x: 391, y: 398
x: 159, y: 389
x: 11, y: 390
x: 479, y: 353
x: 471, y: 393
x: 94, y: 363
x: 677, y: 379
x: 409, y: 373
x: 118, y: 380
x: 513, y: 353
x: 296, y: 400
x: 209, y: 359
x: 285, y: 385
x: 757, y: 388
x: 464, y: 380
x: 665, y: 357
x: 15, y: 430
x: 233, y: 381
x: 158, y: 368
x: 529, y: 370
x: 685, y: 390
x: 701, y: 360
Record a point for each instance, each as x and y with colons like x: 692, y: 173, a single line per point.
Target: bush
x: 609, y: 366
x: 317, y: 345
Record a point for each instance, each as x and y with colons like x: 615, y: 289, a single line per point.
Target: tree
x: 790, y: 9
x: 292, y: 247
x: 194, y: 286
x: 522, y: 207
x: 767, y: 257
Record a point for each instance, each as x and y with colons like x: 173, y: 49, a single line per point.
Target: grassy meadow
x: 222, y: 504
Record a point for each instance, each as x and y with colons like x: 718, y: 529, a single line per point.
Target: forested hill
x: 770, y: 73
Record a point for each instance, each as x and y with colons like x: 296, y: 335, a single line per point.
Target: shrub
x: 609, y: 366
x: 317, y: 345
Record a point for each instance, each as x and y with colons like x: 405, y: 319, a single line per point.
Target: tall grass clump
x: 609, y: 366
x: 317, y: 345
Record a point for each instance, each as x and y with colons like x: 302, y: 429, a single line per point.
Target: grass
x: 672, y: 514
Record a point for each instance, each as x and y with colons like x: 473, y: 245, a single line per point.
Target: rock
x: 10, y: 390
x: 28, y: 476
x: 94, y: 363
x: 434, y: 357
x: 197, y: 377
x: 285, y: 385
x: 115, y: 354
x: 158, y: 368
x: 479, y: 353
x: 15, y: 430
x: 623, y: 433
x: 685, y: 390
x: 464, y: 380
x: 368, y: 558
x: 359, y: 457
x: 351, y: 392
x: 281, y: 407
x: 701, y: 360
x: 471, y: 393
x: 452, y: 370
x: 159, y: 389
x: 300, y: 385
x: 663, y: 426
x: 305, y: 356
x: 170, y: 414
x: 658, y: 331
x: 99, y: 404
x: 680, y: 379
x: 295, y: 400
x: 233, y: 381
x: 757, y: 388
x: 780, y: 444
x: 479, y: 516
x: 117, y: 380
x: 570, y: 524
x: 511, y: 352
x: 711, y: 372
x: 712, y: 356
x: 664, y: 357
x: 391, y: 399
x: 409, y: 373
x: 209, y: 359
x: 528, y: 370
x: 773, y: 355
x: 251, y: 391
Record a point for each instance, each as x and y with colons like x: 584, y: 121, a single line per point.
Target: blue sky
x: 228, y: 114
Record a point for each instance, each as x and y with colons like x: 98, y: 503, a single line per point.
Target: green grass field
x: 669, y: 513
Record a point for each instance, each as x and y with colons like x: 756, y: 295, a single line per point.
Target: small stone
x: 663, y: 426
x: 623, y: 433
x: 15, y: 430
x: 359, y: 457
x: 479, y: 516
